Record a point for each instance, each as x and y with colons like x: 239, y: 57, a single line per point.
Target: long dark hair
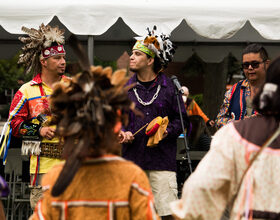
x: 158, y: 67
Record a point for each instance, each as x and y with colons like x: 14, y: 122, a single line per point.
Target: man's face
x: 254, y: 68
x: 55, y: 64
x: 138, y: 61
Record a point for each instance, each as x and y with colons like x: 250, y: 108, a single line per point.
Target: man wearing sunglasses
x: 237, y: 102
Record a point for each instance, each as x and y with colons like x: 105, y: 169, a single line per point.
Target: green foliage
x: 103, y: 63
x: 73, y: 67
x: 198, y: 98
x: 194, y: 66
x: 10, y: 72
x: 4, y: 111
x: 234, y: 67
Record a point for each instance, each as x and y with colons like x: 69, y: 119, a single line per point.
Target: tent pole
x: 91, y: 49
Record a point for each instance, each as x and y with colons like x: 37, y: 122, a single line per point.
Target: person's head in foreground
x: 267, y: 101
x: 88, y: 116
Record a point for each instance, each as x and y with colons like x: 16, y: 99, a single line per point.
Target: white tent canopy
x: 190, y: 21
x: 210, y: 28
x: 212, y: 19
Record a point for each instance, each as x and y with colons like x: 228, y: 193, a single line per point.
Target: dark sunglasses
x: 254, y: 64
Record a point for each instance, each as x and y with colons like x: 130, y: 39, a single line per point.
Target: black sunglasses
x: 254, y: 64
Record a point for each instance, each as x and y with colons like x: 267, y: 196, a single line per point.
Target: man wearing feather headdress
x: 44, y: 55
x: 154, y: 95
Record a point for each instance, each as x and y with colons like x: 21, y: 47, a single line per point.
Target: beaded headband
x: 52, y: 51
x: 139, y: 46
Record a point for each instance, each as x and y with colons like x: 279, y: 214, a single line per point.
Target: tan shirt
x: 214, y: 183
x: 104, y: 188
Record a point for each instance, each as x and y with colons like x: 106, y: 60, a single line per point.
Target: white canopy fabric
x: 216, y: 19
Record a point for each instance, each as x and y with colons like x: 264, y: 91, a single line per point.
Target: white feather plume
x: 166, y: 49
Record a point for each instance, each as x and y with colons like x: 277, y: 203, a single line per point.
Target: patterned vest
x: 237, y: 101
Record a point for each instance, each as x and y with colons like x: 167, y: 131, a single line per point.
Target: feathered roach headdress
x: 46, y: 41
x: 158, y: 45
x: 88, y: 112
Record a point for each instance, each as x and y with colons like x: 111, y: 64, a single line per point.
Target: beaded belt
x: 52, y: 150
x: 31, y: 147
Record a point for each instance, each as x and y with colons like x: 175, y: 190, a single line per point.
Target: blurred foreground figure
x: 241, y: 170
x: 93, y: 183
x: 4, y: 192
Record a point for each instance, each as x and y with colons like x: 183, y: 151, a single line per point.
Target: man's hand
x: 125, y: 137
x: 47, y: 132
x: 211, y: 123
x: 165, y: 134
x: 232, y: 116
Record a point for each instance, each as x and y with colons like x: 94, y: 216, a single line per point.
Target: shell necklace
x: 151, y: 101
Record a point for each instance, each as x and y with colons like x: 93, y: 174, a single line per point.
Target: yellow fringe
x: 4, y: 141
